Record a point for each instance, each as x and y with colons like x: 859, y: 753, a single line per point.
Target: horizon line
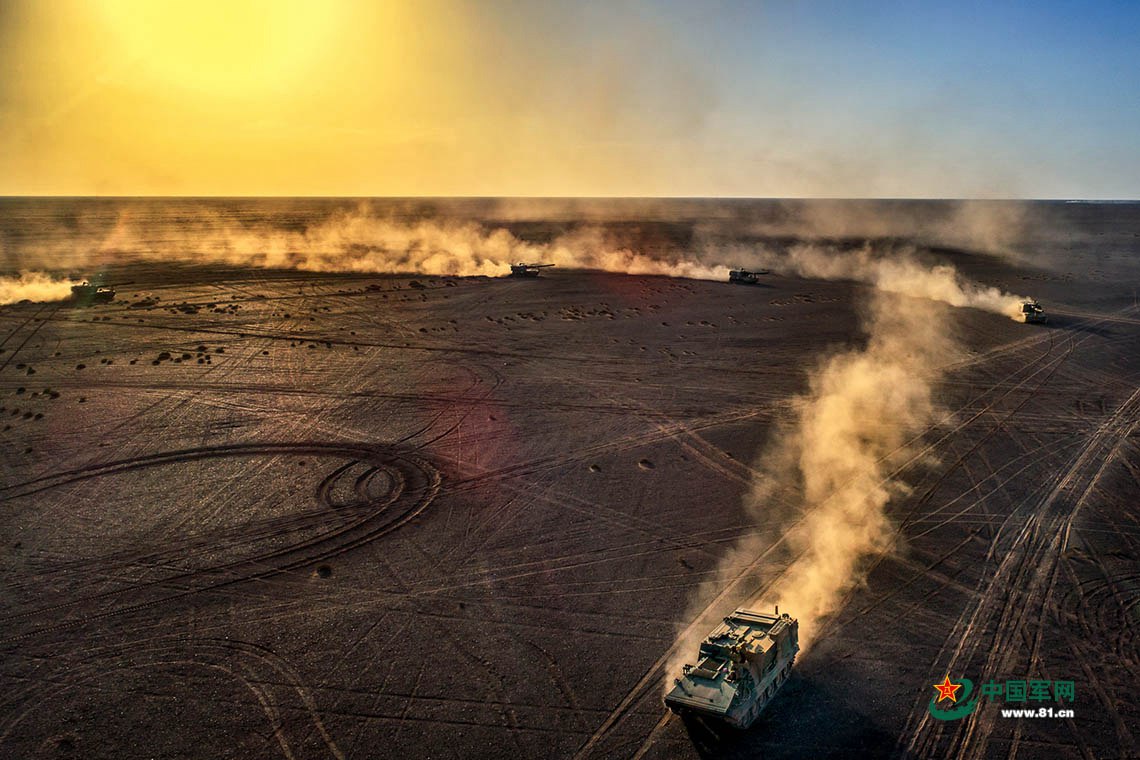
x: 211, y: 196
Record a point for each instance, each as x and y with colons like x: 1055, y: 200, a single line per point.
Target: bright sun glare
x: 220, y: 47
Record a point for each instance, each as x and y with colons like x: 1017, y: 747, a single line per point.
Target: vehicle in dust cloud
x: 745, y: 276
x: 89, y: 293
x: 527, y: 270
x: 740, y: 665
x: 1031, y: 312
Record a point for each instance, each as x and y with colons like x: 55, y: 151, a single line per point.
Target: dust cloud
x: 33, y: 286
x: 851, y: 432
x: 397, y: 238
x: 899, y: 272
x: 859, y: 421
x: 361, y: 241
x: 826, y: 476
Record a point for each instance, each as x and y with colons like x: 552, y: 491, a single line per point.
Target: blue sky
x: 1021, y: 99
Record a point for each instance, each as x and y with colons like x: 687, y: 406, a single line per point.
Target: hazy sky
x: 440, y: 97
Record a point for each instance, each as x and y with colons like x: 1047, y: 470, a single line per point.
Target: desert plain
x: 262, y: 512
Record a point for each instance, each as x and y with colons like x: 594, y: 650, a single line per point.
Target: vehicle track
x: 417, y: 486
x: 1018, y: 589
x: 40, y: 321
x: 275, y: 685
x: 1049, y: 368
x: 1112, y: 434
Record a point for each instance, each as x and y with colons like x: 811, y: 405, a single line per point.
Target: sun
x: 237, y: 48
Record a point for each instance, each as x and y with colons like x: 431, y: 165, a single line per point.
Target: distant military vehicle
x: 740, y: 665
x: 745, y: 277
x: 88, y: 293
x: 1032, y: 312
x: 527, y: 270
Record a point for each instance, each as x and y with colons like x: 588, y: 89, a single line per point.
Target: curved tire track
x: 409, y: 495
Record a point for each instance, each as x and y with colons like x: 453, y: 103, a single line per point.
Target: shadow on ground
x: 838, y: 730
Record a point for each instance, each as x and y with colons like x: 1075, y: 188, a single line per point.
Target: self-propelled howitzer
x: 745, y: 277
x: 1031, y: 312
x: 740, y: 665
x: 523, y: 269
x: 89, y: 293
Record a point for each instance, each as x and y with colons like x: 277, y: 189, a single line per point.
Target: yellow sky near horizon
x: 208, y: 97
x: 120, y: 97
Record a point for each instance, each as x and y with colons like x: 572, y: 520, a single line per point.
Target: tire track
x: 1020, y: 582
x: 420, y: 484
x: 263, y: 673
x: 1049, y: 367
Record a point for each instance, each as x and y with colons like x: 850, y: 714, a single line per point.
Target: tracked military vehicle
x: 527, y: 270
x: 87, y: 293
x: 740, y: 665
x: 1032, y: 312
x: 745, y: 277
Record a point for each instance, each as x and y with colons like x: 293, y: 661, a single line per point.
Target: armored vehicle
x: 527, y: 270
x: 740, y: 665
x: 1032, y: 312
x: 89, y: 293
x: 745, y: 277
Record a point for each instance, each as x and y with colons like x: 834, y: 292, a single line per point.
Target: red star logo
x: 947, y: 690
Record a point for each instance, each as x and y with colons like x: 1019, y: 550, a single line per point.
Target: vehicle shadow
x: 808, y: 718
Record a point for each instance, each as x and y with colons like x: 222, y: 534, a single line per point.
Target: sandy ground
x: 263, y: 514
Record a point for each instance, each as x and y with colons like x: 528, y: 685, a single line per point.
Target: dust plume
x: 893, y: 268
x: 362, y: 242
x: 355, y: 240
x: 687, y: 238
x: 900, y: 273
x: 830, y: 471
x: 995, y: 227
x: 33, y: 286
x: 850, y: 434
x: 1001, y: 228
